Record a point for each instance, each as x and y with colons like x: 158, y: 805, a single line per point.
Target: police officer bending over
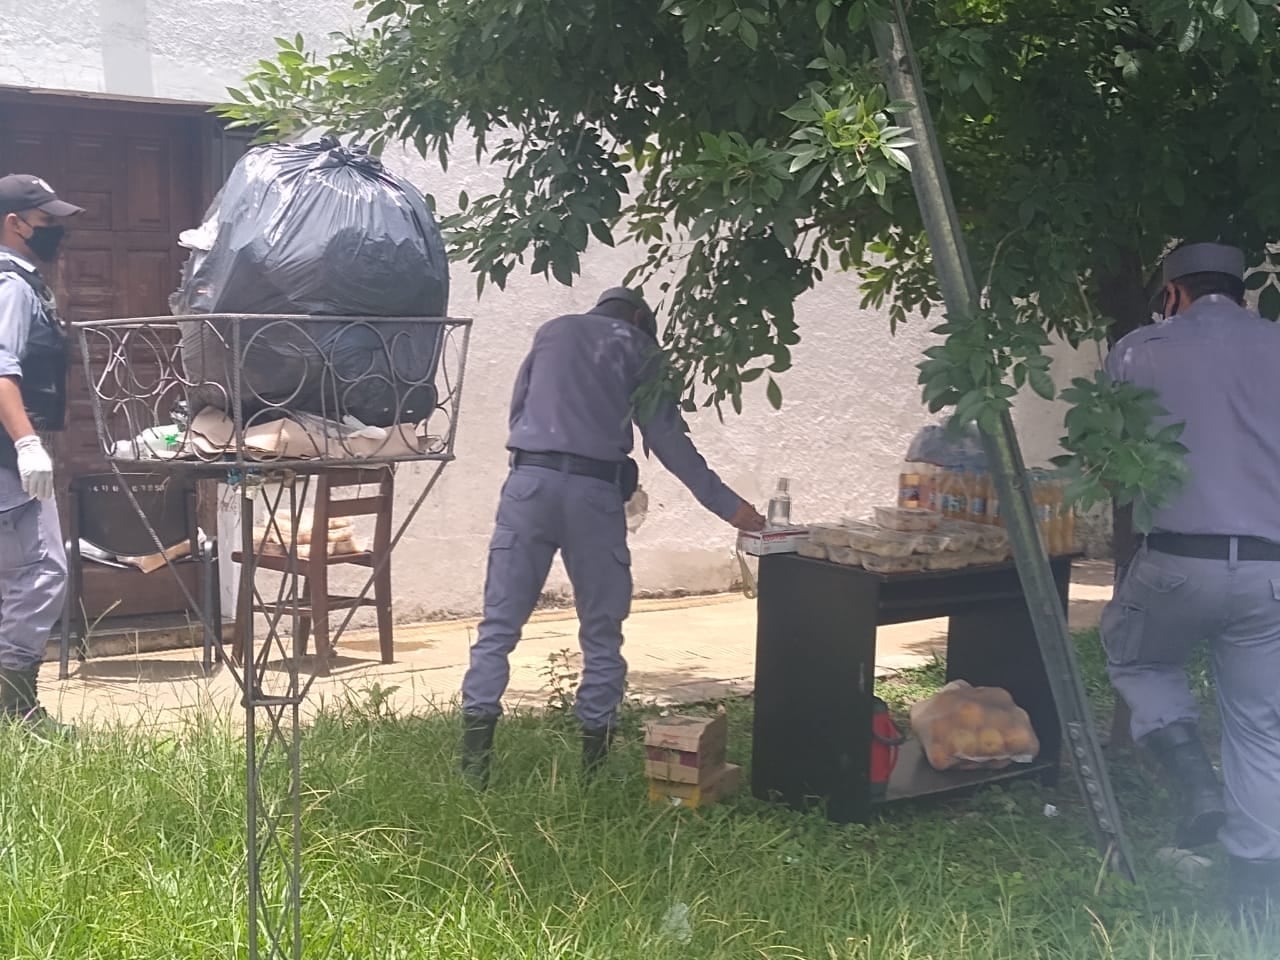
x: 33, y: 373
x: 1210, y: 571
x: 571, y: 476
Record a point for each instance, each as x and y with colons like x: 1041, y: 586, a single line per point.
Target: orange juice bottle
x: 909, y: 486
x: 979, y: 497
x: 955, y: 494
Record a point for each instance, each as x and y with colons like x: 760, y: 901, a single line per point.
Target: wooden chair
x: 315, y: 602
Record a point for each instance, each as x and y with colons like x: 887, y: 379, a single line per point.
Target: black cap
x: 1204, y: 258
x: 22, y: 191
x: 1193, y: 258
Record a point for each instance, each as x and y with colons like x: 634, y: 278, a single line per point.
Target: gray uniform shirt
x: 573, y: 394
x: 1216, y: 367
x: 18, y: 306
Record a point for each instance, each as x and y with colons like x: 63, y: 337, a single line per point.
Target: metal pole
x: 961, y: 295
x: 245, y: 602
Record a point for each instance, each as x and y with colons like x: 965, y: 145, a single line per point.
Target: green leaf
x: 748, y: 34
x: 774, y: 393
x: 968, y: 408
x: 810, y: 178
x: 1041, y: 383
x: 562, y: 271
x: 1143, y: 516
x: 802, y: 112
x: 823, y: 13
x: 1247, y: 21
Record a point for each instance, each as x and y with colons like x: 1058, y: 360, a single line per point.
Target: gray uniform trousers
x: 33, y: 580
x: 542, y: 511
x: 1162, y: 609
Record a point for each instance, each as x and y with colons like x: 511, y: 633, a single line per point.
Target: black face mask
x: 45, y: 241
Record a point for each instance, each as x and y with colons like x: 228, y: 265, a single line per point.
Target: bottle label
x: 909, y: 490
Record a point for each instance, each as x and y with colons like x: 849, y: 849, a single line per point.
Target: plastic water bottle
x: 779, y: 514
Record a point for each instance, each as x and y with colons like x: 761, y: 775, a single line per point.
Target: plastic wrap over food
x: 321, y: 230
x: 908, y: 519
x: 966, y: 727
x: 812, y: 549
x: 939, y: 445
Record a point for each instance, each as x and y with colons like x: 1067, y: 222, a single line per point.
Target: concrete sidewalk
x: 680, y: 651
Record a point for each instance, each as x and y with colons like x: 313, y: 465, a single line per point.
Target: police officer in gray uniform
x: 1210, y: 570
x: 570, y: 436
x: 33, y: 374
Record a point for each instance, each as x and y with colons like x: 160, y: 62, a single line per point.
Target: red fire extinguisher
x: 886, y: 738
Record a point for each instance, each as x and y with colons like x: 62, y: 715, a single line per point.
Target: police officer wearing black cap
x: 570, y: 437
x: 1210, y: 570
x: 33, y: 374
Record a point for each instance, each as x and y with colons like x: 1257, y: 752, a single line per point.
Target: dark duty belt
x: 1200, y: 547
x: 570, y: 463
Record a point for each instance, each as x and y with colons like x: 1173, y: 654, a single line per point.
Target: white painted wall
x: 851, y: 401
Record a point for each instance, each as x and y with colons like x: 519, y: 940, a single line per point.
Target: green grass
x: 130, y: 845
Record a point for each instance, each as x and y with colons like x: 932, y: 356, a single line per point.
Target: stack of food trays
x: 902, y: 540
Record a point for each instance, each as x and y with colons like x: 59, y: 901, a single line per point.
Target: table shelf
x: 815, y: 675
x: 914, y: 779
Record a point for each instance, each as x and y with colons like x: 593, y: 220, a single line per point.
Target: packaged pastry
x: 812, y: 549
x: 982, y: 536
x: 845, y: 556
x: 907, y: 564
x: 884, y: 543
x: 989, y: 557
x: 860, y: 534
x: 937, y: 542
x: 948, y: 560
x: 908, y: 519
x: 829, y: 534
x: 964, y: 536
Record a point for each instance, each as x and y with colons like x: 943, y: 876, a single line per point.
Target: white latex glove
x: 34, y: 467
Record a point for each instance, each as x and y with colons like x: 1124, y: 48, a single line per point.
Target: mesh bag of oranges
x: 962, y: 727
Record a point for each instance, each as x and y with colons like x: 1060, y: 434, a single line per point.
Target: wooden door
x: 140, y: 179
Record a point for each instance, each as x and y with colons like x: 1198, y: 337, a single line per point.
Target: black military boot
x: 595, y: 749
x: 477, y: 749
x: 1192, y: 780
x: 1253, y: 891
x: 20, y: 704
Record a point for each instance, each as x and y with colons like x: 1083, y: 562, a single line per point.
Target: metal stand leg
x: 272, y: 762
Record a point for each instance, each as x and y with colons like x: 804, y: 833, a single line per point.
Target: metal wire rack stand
x: 264, y: 404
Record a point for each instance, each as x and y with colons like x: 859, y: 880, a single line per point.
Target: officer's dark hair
x: 1200, y: 285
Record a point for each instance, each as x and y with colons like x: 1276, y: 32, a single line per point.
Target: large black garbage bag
x: 322, y: 230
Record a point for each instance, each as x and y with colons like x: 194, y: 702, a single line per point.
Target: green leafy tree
x: 749, y: 147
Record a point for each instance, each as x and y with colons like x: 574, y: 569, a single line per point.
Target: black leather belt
x: 1205, y: 547
x: 570, y: 463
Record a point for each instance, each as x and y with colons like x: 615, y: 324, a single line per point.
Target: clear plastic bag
x: 941, y: 447
x: 962, y: 727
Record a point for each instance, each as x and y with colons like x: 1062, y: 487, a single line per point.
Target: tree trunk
x: 1122, y: 295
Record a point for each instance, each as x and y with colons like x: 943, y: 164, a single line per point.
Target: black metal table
x: 815, y: 675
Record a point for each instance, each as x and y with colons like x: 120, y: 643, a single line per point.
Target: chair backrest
x: 108, y: 520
